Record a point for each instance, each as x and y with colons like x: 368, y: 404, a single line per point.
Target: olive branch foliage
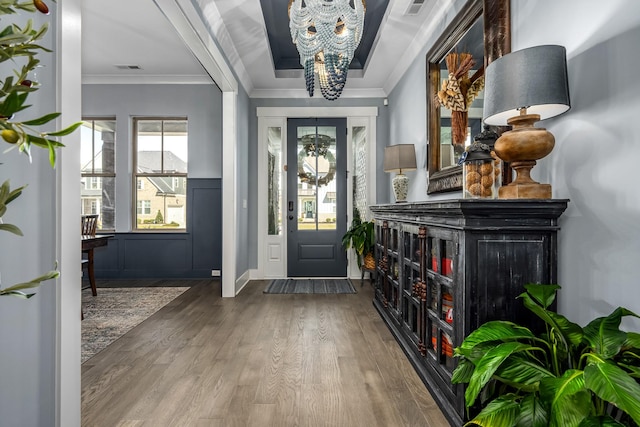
x: 19, y: 46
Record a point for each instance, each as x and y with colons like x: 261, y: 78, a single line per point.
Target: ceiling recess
x: 414, y: 7
x: 128, y: 67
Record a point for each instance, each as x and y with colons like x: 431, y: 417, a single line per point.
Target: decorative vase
x: 400, y: 187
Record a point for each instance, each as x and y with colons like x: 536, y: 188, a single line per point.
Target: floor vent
x: 414, y: 7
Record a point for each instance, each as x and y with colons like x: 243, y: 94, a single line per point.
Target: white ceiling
x: 135, y: 32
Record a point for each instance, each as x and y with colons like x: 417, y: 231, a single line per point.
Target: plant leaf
x: 34, y: 283
x: 633, y: 340
x: 634, y: 371
x: 542, y: 294
x: 15, y: 294
x: 603, y: 421
x: 569, y: 331
x: 521, y: 369
x: 463, y: 372
x: 52, y: 154
x: 569, y: 401
x: 497, y: 330
x: 11, y: 229
x: 604, y: 333
x: 500, y: 412
x: 10, y: 105
x: 41, y: 120
x: 4, y: 190
x: 488, y: 364
x: 612, y: 384
x: 532, y: 412
x: 65, y: 131
x: 14, y: 194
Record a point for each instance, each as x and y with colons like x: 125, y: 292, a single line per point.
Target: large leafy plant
x: 566, y: 376
x: 19, y: 46
x: 360, y: 236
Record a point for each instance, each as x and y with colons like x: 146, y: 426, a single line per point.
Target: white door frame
x: 272, y: 250
x: 189, y: 25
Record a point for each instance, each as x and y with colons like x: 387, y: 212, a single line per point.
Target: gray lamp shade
x: 399, y: 157
x: 535, y: 78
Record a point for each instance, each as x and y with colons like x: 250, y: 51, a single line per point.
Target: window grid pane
x: 97, y: 164
x: 161, y: 169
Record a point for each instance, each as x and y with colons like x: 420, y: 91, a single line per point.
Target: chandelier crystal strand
x: 326, y: 33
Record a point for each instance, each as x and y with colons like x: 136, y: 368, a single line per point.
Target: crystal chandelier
x: 326, y: 33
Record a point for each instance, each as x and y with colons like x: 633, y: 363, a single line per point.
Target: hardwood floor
x: 257, y: 360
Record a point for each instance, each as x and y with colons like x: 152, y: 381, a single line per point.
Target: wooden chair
x: 89, y: 225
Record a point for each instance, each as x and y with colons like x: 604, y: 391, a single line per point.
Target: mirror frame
x: 497, y: 42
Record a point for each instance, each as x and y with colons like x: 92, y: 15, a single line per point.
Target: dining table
x: 89, y: 243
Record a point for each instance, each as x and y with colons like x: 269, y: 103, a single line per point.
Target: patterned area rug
x: 115, y: 311
x: 310, y: 286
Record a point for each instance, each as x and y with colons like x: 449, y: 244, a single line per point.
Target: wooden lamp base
x: 525, y: 191
x: 521, y: 147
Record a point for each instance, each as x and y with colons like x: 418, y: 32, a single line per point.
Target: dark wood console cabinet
x: 446, y: 267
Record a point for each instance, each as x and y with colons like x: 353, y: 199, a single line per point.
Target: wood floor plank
x: 256, y: 360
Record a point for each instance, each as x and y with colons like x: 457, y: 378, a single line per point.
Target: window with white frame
x: 144, y: 207
x: 98, y: 170
x: 160, y: 165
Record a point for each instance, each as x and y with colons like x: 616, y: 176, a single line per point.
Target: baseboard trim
x: 242, y: 281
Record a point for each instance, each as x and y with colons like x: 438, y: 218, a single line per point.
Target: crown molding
x: 97, y: 79
x: 302, y: 93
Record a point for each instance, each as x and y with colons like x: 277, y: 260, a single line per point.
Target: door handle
x: 290, y: 207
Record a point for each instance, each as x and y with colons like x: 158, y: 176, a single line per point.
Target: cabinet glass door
x: 411, y: 318
x: 441, y: 299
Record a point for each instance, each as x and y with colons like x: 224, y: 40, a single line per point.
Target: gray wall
x: 408, y: 115
x: 27, y: 327
x: 382, y: 130
x: 202, y: 105
x: 192, y: 254
x: 596, y: 149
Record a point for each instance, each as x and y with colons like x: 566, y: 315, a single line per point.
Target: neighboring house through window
x: 160, y: 153
x: 98, y: 171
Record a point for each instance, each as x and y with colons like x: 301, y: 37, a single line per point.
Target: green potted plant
x: 19, y: 47
x: 566, y: 376
x: 361, y: 237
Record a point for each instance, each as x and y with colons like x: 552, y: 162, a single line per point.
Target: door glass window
x: 316, y: 150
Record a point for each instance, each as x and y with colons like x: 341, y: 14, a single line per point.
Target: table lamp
x: 522, y: 88
x: 396, y: 159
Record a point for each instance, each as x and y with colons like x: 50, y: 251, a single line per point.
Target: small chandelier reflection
x: 326, y: 33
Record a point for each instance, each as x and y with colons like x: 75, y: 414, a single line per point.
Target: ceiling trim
x: 191, y: 29
x: 302, y: 93
x: 97, y: 79
x: 316, y: 111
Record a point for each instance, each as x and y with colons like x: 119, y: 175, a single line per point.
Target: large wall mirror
x: 479, y: 34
